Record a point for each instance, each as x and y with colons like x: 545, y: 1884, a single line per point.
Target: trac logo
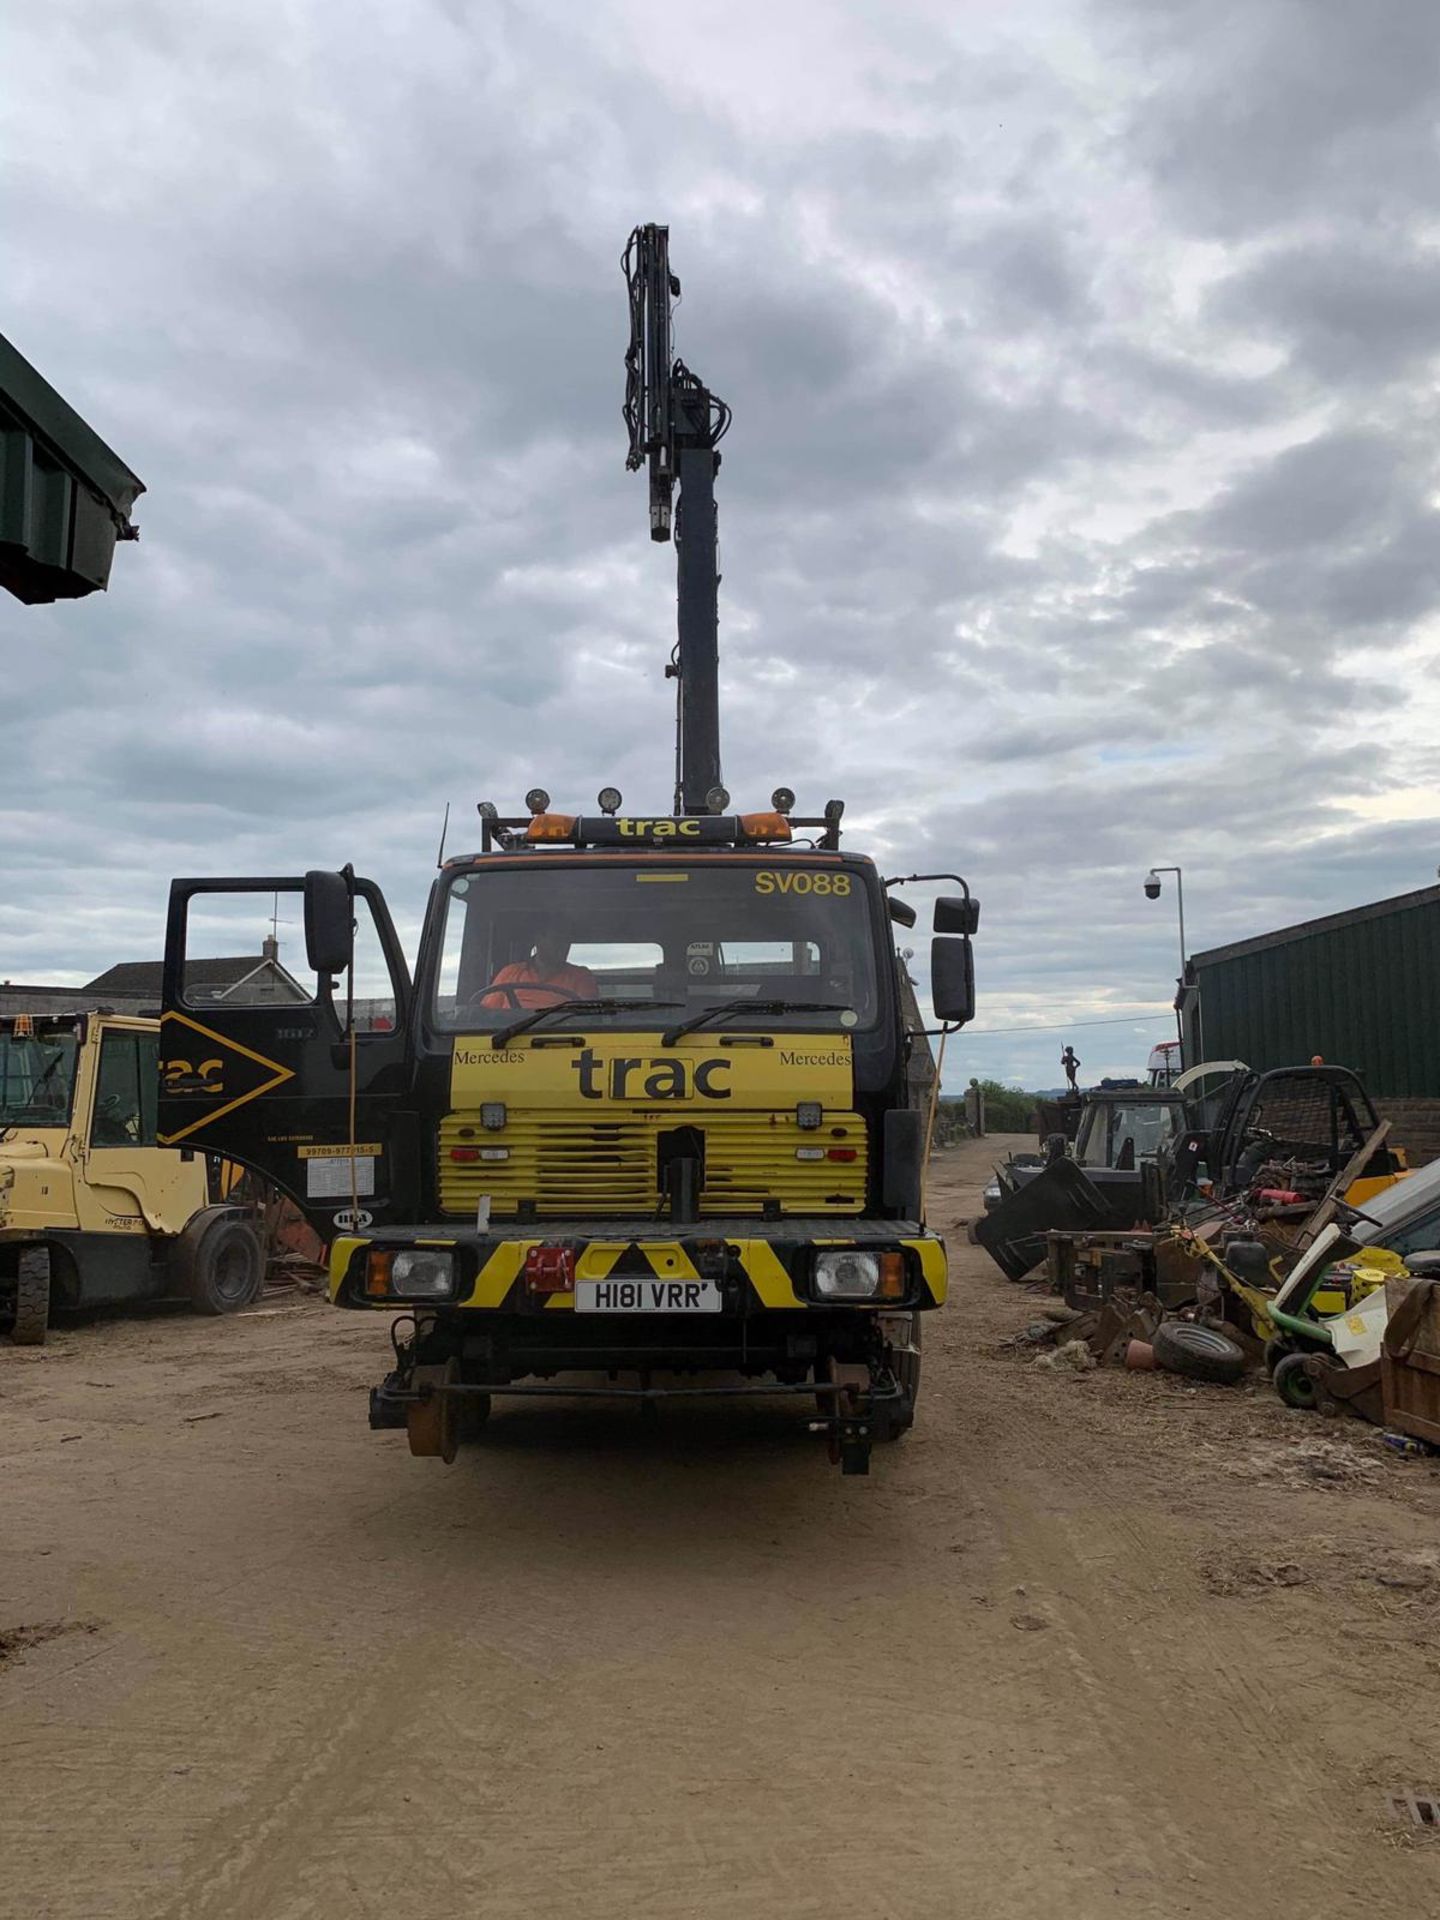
x: 666, y: 1076
x: 659, y: 829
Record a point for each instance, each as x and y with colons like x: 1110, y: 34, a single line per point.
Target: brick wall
x: 1414, y: 1125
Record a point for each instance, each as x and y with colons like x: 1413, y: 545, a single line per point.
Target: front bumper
x: 758, y: 1272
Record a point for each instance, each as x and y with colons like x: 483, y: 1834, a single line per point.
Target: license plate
x: 647, y: 1296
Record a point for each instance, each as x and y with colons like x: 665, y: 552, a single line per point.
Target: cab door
x: 304, y: 1077
x: 131, y: 1182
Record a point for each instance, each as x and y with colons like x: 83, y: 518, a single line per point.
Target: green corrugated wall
x: 1365, y: 995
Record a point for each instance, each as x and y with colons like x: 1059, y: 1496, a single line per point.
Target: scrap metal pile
x: 1266, y: 1222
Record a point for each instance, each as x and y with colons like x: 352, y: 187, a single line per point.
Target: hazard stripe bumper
x: 760, y: 1274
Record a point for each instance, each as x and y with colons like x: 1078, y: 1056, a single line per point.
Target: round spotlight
x: 717, y: 799
x: 608, y: 799
x: 538, y: 800
x: 782, y: 799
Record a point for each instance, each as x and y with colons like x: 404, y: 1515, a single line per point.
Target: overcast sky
x: 1079, y: 511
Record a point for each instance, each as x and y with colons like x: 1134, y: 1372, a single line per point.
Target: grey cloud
x: 359, y: 325
x: 1333, y: 490
x: 1251, y: 114
x: 1350, y: 307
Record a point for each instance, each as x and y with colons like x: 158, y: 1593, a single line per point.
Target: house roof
x: 145, y: 976
x: 1353, y: 916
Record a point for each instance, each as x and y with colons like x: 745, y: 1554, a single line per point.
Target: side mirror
x: 952, y: 981
x: 957, y: 913
x: 901, y: 912
x: 329, y: 922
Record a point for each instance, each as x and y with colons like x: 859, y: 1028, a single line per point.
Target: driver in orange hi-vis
x: 546, y: 979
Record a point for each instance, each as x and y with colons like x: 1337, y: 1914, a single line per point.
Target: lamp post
x: 1152, y: 892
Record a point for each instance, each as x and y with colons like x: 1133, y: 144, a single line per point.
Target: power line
x: 1063, y: 1026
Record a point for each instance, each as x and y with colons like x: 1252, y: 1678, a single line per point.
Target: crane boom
x: 675, y: 423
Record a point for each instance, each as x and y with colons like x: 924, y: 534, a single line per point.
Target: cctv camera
x: 1152, y: 888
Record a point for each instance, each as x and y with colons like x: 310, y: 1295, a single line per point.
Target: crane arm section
x: 675, y: 424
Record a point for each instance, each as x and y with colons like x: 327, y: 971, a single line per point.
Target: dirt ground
x: 1081, y: 1645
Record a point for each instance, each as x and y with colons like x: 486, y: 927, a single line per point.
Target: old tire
x: 1199, y: 1353
x: 32, y: 1298
x: 225, y: 1269
x: 1295, y: 1384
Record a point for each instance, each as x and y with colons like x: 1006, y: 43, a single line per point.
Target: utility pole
x: 1152, y: 892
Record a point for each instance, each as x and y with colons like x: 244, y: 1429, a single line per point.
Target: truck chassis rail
x: 425, y: 1408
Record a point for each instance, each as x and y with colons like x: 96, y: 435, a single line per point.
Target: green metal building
x: 65, y: 498
x: 1362, y: 989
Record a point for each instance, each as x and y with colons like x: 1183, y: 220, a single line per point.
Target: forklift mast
x: 675, y: 424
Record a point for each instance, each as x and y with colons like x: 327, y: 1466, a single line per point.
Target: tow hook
x: 849, y: 1427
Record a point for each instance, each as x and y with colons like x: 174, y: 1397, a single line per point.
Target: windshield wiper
x: 724, y: 1008
x: 502, y: 1036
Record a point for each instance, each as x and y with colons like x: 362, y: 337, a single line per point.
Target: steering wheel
x: 113, y: 1118
x: 512, y: 991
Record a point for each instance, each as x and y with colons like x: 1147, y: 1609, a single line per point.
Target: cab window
x: 126, y: 1090
x: 667, y: 941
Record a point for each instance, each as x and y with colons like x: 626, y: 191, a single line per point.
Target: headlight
x: 422, y: 1273
x: 847, y: 1275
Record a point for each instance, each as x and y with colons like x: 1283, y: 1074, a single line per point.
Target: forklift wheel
x: 1294, y: 1384
x: 32, y: 1298
x: 225, y: 1269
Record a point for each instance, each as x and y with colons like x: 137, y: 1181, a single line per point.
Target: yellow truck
x: 644, y: 1114
x: 93, y: 1209
x: 644, y: 1121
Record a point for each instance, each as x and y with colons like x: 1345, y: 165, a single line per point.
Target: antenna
x: 271, y: 947
x: 444, y: 829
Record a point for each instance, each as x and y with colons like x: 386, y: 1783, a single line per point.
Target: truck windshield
x: 37, y: 1077
x: 688, y: 937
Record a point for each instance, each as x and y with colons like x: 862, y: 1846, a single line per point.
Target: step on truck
x: 641, y: 1123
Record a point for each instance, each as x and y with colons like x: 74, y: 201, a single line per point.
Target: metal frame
x: 506, y: 833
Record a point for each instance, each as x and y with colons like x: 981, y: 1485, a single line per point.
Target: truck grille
x: 585, y: 1167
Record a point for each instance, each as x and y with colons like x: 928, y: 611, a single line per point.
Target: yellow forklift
x: 642, y: 1124
x: 93, y: 1210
